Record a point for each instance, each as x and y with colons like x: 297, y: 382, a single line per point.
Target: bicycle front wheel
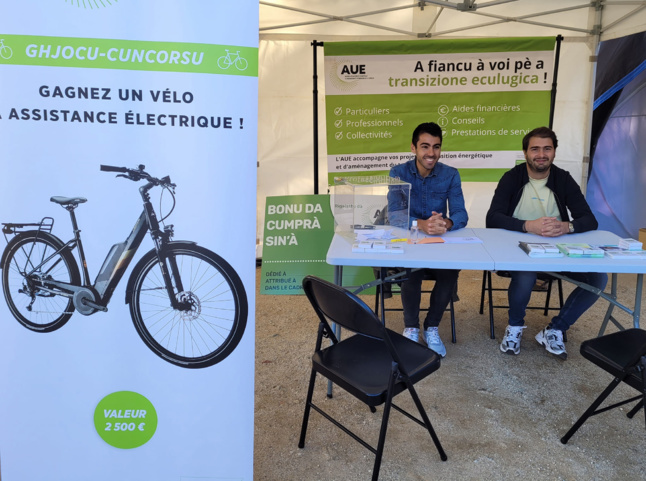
x: 241, y: 63
x: 26, y: 270
x: 213, y: 313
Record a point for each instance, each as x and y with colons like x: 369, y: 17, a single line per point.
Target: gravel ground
x: 498, y: 417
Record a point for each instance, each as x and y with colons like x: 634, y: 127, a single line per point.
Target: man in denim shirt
x: 433, y: 185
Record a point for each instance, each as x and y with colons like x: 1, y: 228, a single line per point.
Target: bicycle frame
x: 118, y: 258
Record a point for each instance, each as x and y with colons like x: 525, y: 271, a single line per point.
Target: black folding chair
x: 374, y: 365
x: 623, y: 355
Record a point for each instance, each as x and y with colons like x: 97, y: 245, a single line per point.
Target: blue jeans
x: 579, y: 301
x: 411, y: 293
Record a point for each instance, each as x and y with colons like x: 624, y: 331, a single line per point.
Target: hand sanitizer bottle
x: 414, y: 232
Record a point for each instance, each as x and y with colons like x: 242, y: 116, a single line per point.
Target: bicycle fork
x: 176, y: 302
x: 161, y: 240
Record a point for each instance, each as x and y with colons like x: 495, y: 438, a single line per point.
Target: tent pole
x: 315, y: 93
x: 559, y: 39
x: 587, y: 145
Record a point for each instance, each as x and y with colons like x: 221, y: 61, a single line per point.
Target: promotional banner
x: 128, y: 141
x: 486, y: 94
x: 298, y: 232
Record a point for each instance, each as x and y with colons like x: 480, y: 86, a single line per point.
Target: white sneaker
x: 412, y: 333
x: 511, y: 342
x: 552, y: 339
x: 433, y: 341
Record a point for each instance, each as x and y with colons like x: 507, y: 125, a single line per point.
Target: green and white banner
x: 132, y: 358
x: 486, y: 94
x: 298, y: 232
x: 129, y: 55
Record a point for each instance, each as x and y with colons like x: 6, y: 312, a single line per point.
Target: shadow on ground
x: 498, y: 416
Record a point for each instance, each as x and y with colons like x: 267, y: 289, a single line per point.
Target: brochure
x: 540, y: 249
x: 616, y: 252
x: 580, y: 250
x: 630, y: 244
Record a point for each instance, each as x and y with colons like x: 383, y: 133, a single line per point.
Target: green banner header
x: 467, y: 45
x: 128, y: 55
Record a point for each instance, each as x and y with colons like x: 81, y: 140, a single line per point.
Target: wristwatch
x: 570, y: 227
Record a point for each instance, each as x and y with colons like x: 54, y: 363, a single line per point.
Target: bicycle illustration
x: 5, y: 51
x: 229, y: 59
x: 187, y: 303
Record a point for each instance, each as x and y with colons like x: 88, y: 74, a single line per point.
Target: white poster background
x: 52, y: 382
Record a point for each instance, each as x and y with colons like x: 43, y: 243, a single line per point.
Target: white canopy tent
x: 288, y: 27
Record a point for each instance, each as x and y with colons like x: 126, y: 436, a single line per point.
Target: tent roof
x: 329, y: 19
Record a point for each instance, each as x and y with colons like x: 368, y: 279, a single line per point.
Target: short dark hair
x: 430, y: 128
x: 543, y: 133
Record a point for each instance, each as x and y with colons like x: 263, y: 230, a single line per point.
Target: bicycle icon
x: 229, y: 59
x: 5, y: 51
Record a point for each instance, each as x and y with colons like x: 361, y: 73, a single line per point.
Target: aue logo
x: 349, y: 72
x: 353, y: 70
x: 344, y: 74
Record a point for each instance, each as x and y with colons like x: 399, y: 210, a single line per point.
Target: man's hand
x: 434, y: 225
x: 547, y: 227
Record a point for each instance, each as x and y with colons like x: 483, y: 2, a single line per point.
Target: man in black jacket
x: 535, y: 197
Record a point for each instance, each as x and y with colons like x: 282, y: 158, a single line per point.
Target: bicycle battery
x: 109, y: 267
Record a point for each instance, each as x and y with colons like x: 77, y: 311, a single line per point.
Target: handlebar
x: 112, y: 168
x: 138, y: 174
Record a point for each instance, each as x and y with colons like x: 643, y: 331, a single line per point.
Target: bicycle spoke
x: 44, y: 260
x: 208, y: 314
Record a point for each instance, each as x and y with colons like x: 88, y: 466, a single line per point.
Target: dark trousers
x: 411, y: 293
x: 579, y: 301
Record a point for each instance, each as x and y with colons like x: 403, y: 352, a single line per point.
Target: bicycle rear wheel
x: 29, y: 297
x: 224, y: 62
x: 213, y: 319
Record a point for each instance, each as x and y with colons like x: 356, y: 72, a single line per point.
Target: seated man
x: 433, y: 185
x: 535, y: 197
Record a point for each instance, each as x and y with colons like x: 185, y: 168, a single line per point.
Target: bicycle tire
x: 211, y: 330
x: 37, y: 310
x: 6, y: 52
x: 241, y: 64
x: 224, y: 62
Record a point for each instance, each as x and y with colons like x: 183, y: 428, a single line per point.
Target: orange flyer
x: 429, y: 240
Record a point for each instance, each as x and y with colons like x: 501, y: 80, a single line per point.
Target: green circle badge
x: 125, y: 419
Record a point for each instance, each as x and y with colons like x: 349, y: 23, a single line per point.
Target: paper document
x: 462, y: 240
x: 373, y: 234
x: 377, y: 247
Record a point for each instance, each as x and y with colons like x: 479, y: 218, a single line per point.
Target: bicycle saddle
x: 68, y: 200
